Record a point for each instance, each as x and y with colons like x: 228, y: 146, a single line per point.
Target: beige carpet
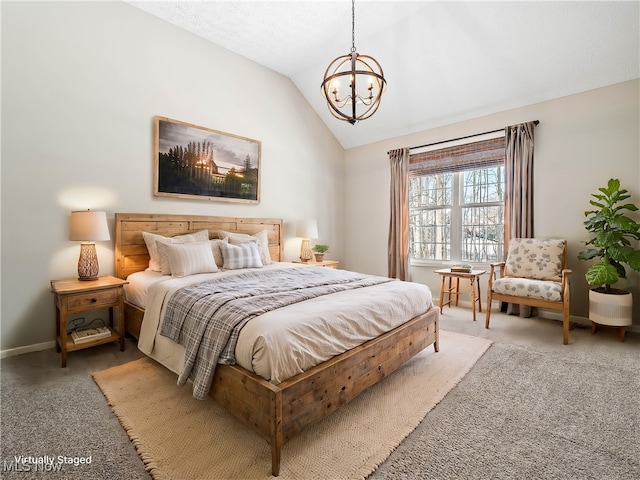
x: 179, y: 437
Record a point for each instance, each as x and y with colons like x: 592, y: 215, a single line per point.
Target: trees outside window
x: 457, y: 216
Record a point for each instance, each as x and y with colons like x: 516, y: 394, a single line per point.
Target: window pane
x: 482, y: 233
x: 430, y: 234
x: 430, y: 190
x: 483, y: 185
x: 473, y: 200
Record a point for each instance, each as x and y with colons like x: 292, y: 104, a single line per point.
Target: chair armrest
x: 492, y: 273
x: 493, y: 267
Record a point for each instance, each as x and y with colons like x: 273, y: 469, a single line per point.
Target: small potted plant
x: 320, y: 250
x: 613, y: 243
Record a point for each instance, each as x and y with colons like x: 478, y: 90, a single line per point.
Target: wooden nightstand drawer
x: 92, y: 299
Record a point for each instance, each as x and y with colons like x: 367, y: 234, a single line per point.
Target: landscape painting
x: 204, y: 164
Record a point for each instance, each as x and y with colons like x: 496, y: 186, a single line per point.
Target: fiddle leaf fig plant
x: 614, y: 236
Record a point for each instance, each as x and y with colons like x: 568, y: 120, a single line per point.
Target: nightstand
x: 325, y: 263
x: 74, y: 296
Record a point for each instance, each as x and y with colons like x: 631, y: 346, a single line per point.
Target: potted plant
x: 614, y: 243
x: 320, y: 250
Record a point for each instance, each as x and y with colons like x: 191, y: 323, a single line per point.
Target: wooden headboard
x: 131, y: 251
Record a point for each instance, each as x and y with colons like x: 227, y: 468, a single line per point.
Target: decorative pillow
x: 190, y: 258
x: 535, y: 258
x: 261, y: 237
x: 151, y: 238
x: 162, y: 247
x: 244, y: 255
x: 217, y: 253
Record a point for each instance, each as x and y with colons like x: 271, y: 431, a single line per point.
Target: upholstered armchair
x: 533, y: 274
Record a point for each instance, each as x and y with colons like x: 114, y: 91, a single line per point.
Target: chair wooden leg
x: 488, y: 308
x: 565, y: 327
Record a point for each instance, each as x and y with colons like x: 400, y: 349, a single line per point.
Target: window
x: 456, y: 203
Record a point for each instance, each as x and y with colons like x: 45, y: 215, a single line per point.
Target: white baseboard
x: 12, y: 352
x: 554, y: 315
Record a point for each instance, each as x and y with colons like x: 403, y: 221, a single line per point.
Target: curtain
x: 398, y: 245
x: 518, y: 201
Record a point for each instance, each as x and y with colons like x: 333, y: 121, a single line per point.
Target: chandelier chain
x: 353, y: 26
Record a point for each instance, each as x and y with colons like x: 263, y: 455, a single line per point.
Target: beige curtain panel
x: 518, y: 202
x: 398, y: 247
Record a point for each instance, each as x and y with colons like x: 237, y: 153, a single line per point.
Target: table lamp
x: 306, y: 229
x: 88, y: 227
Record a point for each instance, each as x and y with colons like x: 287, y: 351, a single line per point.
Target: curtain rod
x: 536, y: 122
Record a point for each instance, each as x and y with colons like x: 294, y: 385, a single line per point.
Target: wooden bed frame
x: 276, y: 412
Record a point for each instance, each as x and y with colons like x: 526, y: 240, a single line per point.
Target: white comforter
x: 289, y: 340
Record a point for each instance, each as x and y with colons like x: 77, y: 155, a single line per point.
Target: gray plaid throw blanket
x: 206, y: 318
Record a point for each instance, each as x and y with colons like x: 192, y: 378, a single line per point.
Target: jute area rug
x: 179, y: 437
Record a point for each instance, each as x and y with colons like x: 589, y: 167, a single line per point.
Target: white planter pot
x: 610, y: 309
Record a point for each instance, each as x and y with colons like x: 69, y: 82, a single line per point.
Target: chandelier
x: 361, y: 73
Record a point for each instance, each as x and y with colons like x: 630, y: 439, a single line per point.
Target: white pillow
x: 163, y: 252
x: 151, y: 238
x: 217, y: 253
x: 244, y: 255
x: 261, y: 237
x: 163, y: 255
x: 191, y: 258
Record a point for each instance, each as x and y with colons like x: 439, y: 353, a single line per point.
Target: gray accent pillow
x: 244, y: 255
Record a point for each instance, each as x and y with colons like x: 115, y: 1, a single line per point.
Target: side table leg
x: 63, y: 336
x: 473, y: 298
x: 58, y: 329
x: 442, y: 294
x: 121, y: 322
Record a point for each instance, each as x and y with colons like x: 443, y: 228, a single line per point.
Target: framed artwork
x: 200, y: 163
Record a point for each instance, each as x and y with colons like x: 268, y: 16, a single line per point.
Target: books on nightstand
x: 90, y: 334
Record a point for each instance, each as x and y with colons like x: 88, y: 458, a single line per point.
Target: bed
x: 276, y: 411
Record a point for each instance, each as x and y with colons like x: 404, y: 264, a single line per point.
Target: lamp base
x: 88, y: 262
x: 305, y: 250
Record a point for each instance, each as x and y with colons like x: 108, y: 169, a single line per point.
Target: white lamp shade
x: 307, y: 229
x: 88, y: 226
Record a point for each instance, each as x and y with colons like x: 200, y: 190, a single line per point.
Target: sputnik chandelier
x: 361, y: 73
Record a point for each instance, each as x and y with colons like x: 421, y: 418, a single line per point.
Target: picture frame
x: 199, y: 163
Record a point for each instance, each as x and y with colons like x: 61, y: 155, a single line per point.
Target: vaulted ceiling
x: 444, y: 61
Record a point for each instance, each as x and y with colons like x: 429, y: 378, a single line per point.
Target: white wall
x: 581, y: 142
x: 81, y: 83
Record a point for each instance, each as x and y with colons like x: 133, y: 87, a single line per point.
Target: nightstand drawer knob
x: 94, y: 300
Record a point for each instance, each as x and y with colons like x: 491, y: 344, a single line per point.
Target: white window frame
x: 456, y: 241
